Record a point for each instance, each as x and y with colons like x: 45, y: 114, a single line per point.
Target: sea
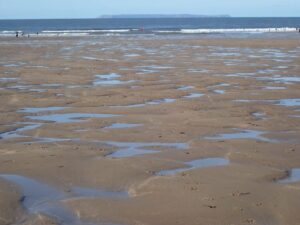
x: 148, y: 26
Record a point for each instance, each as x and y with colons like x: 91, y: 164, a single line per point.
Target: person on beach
x: 17, y: 34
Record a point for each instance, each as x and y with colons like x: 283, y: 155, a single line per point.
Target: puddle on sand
x: 132, y: 55
x: 151, y: 69
x: 89, y: 58
x: 194, y: 95
x: 51, y: 85
x: 295, y: 116
x: 185, y: 87
x: 242, y: 134
x: 252, y: 101
x: 110, y: 82
x: 152, y: 102
x: 129, y: 149
x: 289, y: 102
x: 282, y: 67
x: 39, y: 198
x: 37, y: 110
x: 69, y: 117
x: 274, y: 88
x: 224, y: 54
x: 221, y: 92
x: 195, y: 164
x: 11, y: 65
x: 35, y: 193
x: 198, y: 71
x: 34, y: 88
x: 16, y: 133
x: 122, y: 126
x: 130, y: 152
x: 21, y: 87
x: 37, y: 90
x: 17, y: 64
x: 293, y: 176
x: 81, y: 130
x: 38, y: 66
x: 219, y: 85
x: 239, y: 75
x: 108, y: 76
x: 6, y: 79
x: 109, y: 79
x: 266, y: 71
x: 285, y: 80
x: 259, y: 115
x: 159, y: 101
x: 48, y: 140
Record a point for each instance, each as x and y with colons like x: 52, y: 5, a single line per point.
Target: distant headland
x: 158, y: 16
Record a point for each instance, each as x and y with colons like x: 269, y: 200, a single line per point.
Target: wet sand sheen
x: 114, y: 111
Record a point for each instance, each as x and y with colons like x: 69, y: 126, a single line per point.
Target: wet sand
x: 149, y: 130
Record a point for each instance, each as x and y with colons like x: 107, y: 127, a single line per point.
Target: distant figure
x: 17, y: 34
x: 37, y: 33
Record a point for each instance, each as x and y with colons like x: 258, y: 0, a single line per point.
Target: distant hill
x: 158, y: 16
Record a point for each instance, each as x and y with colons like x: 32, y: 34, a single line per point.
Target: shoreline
x: 235, y: 32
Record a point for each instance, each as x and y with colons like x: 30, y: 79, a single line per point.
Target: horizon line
x: 193, y: 16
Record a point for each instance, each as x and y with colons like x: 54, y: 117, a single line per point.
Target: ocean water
x: 82, y: 27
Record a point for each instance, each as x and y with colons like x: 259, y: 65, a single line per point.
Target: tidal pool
x: 185, y: 87
x: 109, y: 80
x: 130, y: 149
x: 69, y: 117
x: 41, y: 199
x: 17, y: 133
x: 194, y: 95
x: 44, y: 109
x: 199, y: 163
x: 281, y: 79
x: 221, y: 92
x: 242, y: 134
x: 259, y: 115
x: 122, y: 126
x: 293, y: 176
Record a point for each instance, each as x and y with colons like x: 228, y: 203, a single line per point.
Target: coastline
x: 235, y: 32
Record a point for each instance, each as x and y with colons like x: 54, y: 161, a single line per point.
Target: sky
x: 42, y: 9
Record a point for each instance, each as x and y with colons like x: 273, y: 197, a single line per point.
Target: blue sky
x: 26, y: 9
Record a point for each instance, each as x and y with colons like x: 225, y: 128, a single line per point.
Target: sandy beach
x: 150, y: 130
